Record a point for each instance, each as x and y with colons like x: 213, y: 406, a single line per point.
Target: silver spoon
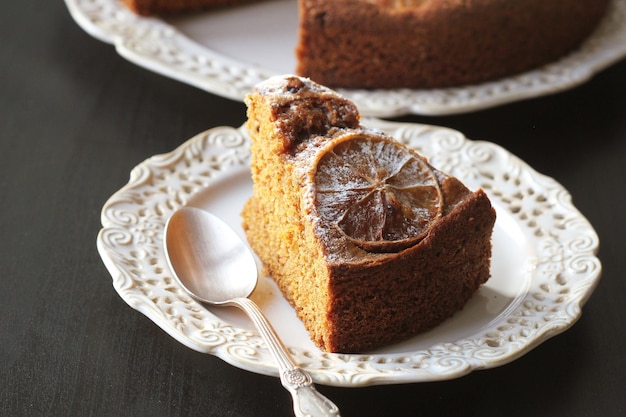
x: 215, y: 267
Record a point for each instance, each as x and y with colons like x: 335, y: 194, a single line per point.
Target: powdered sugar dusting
x: 280, y: 85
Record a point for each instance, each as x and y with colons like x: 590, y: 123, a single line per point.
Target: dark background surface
x: 75, y: 118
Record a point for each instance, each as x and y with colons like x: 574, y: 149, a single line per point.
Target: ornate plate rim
x: 562, y: 275
x: 160, y: 47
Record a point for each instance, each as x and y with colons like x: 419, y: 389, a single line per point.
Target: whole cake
x: 436, y: 43
x: 368, y: 242
x: 423, y: 43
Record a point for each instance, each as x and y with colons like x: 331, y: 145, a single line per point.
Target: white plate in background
x: 226, y: 52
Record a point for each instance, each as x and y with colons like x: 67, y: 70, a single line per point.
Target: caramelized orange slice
x: 381, y: 195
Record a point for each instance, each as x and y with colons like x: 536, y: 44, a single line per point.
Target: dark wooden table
x: 75, y: 118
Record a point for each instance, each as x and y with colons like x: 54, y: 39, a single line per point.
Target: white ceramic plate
x: 544, y: 265
x: 227, y: 52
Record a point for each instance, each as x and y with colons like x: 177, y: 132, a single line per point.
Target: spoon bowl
x: 214, y: 266
x: 209, y: 260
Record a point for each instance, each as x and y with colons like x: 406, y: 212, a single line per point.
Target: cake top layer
x: 301, y: 108
x: 286, y: 86
x: 367, y: 195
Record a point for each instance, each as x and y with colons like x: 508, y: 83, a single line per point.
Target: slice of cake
x: 368, y: 242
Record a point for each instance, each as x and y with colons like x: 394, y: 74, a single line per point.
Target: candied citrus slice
x: 381, y: 195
